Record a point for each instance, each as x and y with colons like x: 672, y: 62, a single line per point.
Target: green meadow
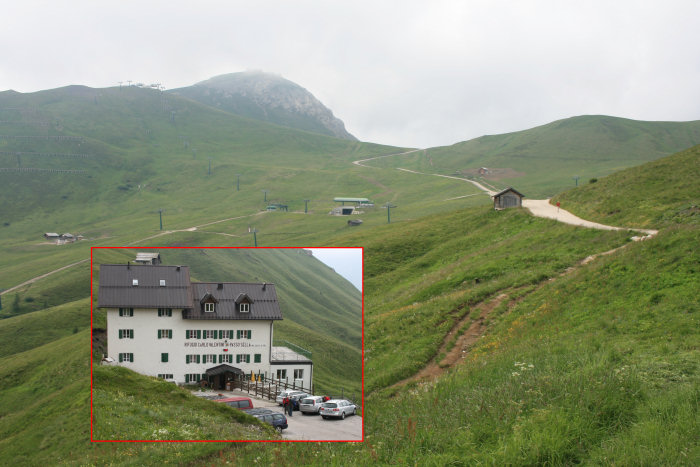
x: 579, y: 360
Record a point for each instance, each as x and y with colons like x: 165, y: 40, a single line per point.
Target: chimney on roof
x: 178, y: 268
x: 128, y: 264
x: 220, y: 286
x: 264, y: 285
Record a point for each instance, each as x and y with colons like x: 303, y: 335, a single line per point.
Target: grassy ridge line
x: 657, y: 194
x: 550, y: 155
x: 31, y: 330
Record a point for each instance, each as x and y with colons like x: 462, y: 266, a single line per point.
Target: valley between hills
x: 490, y: 337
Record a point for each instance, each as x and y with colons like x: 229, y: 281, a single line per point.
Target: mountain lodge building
x: 159, y: 323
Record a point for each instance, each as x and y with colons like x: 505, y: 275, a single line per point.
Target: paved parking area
x: 308, y: 427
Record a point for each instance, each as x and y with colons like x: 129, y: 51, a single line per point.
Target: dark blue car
x: 277, y: 420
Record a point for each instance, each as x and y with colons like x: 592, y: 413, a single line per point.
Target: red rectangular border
x: 92, y: 439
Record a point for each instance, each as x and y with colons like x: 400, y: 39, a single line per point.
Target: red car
x: 242, y: 403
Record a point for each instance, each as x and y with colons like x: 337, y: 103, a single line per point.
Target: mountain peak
x: 268, y: 97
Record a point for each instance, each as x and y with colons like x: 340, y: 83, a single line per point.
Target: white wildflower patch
x: 521, y: 367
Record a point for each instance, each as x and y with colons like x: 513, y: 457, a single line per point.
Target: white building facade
x: 161, y: 324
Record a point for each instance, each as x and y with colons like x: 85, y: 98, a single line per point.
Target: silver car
x: 288, y: 393
x: 337, y: 408
x: 310, y: 404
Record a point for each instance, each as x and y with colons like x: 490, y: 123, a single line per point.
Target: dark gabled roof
x: 223, y: 368
x: 507, y: 190
x: 207, y: 297
x: 262, y: 296
x: 116, y: 289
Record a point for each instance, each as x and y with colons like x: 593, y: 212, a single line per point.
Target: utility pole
x: 255, y: 236
x: 238, y: 182
x: 388, y: 207
x: 576, y: 177
x: 306, y: 205
x: 266, y: 192
x: 160, y: 212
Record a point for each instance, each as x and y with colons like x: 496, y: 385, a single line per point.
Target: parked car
x: 296, y: 399
x: 337, y: 408
x: 243, y: 403
x: 277, y: 420
x: 259, y: 411
x: 288, y: 393
x: 310, y: 404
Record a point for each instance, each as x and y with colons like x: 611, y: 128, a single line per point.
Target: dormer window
x: 244, y: 307
x: 209, y: 307
x: 134, y: 282
x: 162, y: 282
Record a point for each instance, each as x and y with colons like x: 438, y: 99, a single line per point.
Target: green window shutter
x: 131, y: 357
x: 187, y: 378
x: 121, y: 357
x: 238, y: 334
x: 120, y: 334
x: 164, y: 357
x: 221, y: 333
x: 159, y: 333
x: 187, y: 334
x: 258, y: 358
x: 187, y: 359
x: 199, y: 333
x: 132, y: 334
x: 247, y: 358
x: 197, y: 358
x: 170, y: 333
x: 221, y: 357
x: 250, y: 334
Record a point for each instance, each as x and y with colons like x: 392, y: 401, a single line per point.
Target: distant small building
x: 68, y: 237
x: 508, y: 198
x: 343, y: 211
x: 355, y: 201
x: 147, y: 258
x: 483, y: 171
x: 52, y: 236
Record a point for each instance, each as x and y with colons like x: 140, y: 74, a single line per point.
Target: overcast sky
x: 406, y: 73
x: 346, y: 261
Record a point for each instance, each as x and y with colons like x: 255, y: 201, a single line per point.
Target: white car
x: 310, y: 404
x: 288, y: 393
x: 337, y: 408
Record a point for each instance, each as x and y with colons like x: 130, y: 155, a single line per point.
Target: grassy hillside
x: 544, y: 160
x: 657, y: 194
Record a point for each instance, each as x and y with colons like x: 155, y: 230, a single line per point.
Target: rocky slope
x: 267, y: 97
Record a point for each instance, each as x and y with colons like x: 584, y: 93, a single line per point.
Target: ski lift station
x: 344, y: 210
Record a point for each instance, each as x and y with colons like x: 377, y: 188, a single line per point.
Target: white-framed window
x: 192, y: 358
x: 226, y: 358
x: 193, y: 334
x: 162, y: 282
x: 244, y: 334
x: 243, y: 358
x: 281, y: 374
x: 134, y: 282
x: 165, y: 333
x: 209, y: 307
x: 299, y: 374
x: 126, y: 357
x: 210, y: 333
x: 126, y: 333
x: 165, y: 376
x: 194, y: 377
x: 126, y: 312
x: 244, y: 307
x: 210, y: 358
x: 228, y: 334
x: 165, y: 311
